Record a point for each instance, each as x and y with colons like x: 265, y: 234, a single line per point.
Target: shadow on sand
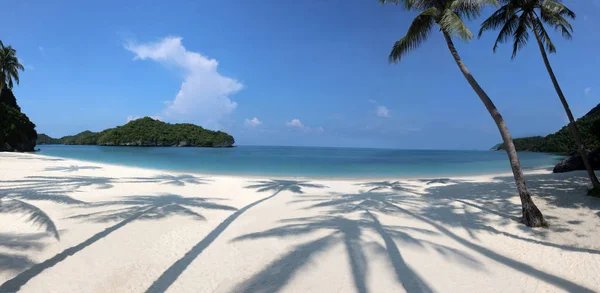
x: 14, y: 262
x: 72, y: 168
x: 151, y: 207
x: 440, y: 204
x: 169, y: 276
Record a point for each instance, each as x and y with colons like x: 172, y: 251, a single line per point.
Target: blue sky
x: 286, y: 72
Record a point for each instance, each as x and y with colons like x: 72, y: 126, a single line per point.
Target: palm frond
x: 521, y: 35
x: 35, y: 215
x: 413, y: 4
x: 538, y: 26
x: 496, y: 20
x: 554, y: 16
x: 416, y: 35
x: 470, y: 9
x: 453, y: 25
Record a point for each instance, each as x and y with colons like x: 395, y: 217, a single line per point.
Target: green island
x: 561, y: 141
x: 146, y: 132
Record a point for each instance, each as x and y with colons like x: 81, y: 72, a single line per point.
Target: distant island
x: 560, y: 141
x: 146, y: 132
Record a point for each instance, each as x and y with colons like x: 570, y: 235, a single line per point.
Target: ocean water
x: 304, y: 161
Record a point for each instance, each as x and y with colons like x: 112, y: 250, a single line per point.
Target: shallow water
x: 304, y: 161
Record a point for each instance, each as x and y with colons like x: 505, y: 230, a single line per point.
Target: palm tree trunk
x: 532, y: 216
x: 572, y: 126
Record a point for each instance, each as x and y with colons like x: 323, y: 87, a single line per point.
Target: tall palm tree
x: 448, y: 15
x: 516, y: 18
x: 9, y: 67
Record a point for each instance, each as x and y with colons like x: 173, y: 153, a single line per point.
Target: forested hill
x: 560, y: 141
x: 147, y: 132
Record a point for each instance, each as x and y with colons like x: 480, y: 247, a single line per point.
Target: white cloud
x: 383, y: 111
x: 204, y: 93
x: 252, y: 122
x: 587, y: 90
x: 295, y: 123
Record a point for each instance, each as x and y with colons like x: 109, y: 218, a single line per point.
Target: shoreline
x: 111, y: 228
x: 479, y: 177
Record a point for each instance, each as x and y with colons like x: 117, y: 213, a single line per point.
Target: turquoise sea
x: 304, y: 161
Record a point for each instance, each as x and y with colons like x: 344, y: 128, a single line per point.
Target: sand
x: 107, y: 228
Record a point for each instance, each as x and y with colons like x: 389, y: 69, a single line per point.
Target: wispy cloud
x: 380, y: 110
x: 252, y: 122
x: 296, y: 123
x: 383, y: 111
x: 204, y: 93
x: 42, y: 51
x: 587, y: 90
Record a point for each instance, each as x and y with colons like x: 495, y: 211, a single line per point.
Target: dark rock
x: 574, y: 162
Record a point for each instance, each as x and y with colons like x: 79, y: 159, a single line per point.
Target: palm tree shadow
x: 70, y: 183
x: 394, y: 207
x: 17, y: 201
x: 71, y: 168
x: 393, y: 186
x: 170, y: 275
x: 175, y: 180
x: 12, y: 262
x: 278, y: 185
x: 136, y: 207
x: 279, y: 272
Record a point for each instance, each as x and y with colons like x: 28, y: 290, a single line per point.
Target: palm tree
x: 9, y: 67
x: 448, y: 15
x: 516, y: 18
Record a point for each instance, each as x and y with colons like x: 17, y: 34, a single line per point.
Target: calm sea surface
x: 304, y: 161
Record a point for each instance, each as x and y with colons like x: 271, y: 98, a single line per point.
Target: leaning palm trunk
x: 572, y: 126
x: 532, y: 216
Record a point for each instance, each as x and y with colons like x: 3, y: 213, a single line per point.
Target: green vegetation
x: 447, y: 18
x: 45, y: 139
x: 561, y: 141
x: 17, y: 132
x: 148, y: 132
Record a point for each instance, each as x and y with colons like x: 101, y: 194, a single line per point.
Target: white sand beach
x: 106, y: 228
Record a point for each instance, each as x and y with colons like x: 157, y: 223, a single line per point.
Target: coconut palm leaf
x: 9, y: 67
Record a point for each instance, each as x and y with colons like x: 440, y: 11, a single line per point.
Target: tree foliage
x: 17, y: 132
x: 560, y: 141
x: 149, y: 132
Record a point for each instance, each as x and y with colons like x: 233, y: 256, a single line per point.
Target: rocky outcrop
x: 17, y: 132
x: 574, y: 162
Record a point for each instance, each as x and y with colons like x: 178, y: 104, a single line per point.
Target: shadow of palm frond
x: 279, y: 272
x: 14, y: 262
x: 277, y: 186
x: 40, y: 158
x: 396, y: 186
x: 176, y: 180
x: 170, y: 275
x: 70, y: 183
x: 16, y: 201
x: 438, y: 181
x: 153, y: 207
x: 15, y: 241
x: 71, y: 168
x: 136, y: 207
